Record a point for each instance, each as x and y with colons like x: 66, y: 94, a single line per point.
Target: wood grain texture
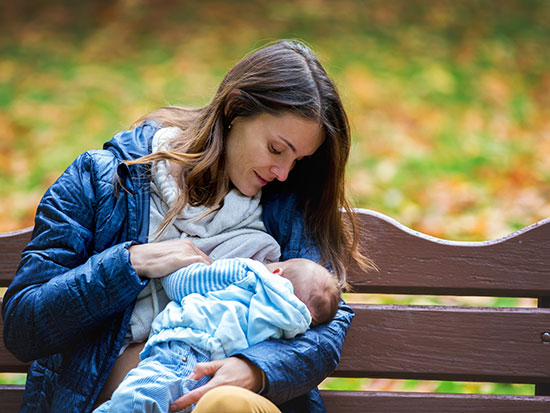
x: 413, y: 263
x: 393, y: 402
x: 8, y: 362
x: 447, y: 343
x: 11, y: 398
x: 11, y: 245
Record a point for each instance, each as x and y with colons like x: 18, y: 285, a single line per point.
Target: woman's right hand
x: 158, y: 259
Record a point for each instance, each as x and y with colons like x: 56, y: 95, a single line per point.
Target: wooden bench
x: 487, y: 344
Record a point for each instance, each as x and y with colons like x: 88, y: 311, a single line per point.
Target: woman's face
x: 266, y: 147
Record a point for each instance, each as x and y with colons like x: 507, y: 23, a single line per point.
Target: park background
x: 449, y: 103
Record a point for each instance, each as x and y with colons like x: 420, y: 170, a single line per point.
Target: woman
x: 276, y: 124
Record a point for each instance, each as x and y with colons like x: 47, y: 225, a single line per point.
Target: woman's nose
x: 280, y: 172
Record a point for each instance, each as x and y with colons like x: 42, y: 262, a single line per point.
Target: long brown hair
x: 283, y: 77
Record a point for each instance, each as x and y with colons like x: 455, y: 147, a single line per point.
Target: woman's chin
x: 248, y: 191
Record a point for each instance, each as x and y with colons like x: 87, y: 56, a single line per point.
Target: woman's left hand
x: 230, y: 371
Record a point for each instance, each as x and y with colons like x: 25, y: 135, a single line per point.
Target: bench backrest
x: 423, y: 342
x: 449, y: 343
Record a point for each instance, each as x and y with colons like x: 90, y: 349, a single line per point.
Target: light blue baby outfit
x: 216, y: 310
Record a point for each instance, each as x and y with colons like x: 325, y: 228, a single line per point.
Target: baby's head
x: 313, y: 284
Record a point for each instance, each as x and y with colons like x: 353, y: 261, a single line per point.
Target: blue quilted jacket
x: 69, y: 306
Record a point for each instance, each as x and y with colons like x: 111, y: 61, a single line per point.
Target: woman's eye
x: 273, y: 149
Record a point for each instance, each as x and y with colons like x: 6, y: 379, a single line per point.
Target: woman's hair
x: 283, y: 77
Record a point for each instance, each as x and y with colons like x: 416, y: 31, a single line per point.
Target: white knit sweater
x: 234, y: 230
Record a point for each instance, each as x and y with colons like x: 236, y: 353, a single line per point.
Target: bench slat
x: 8, y: 362
x: 11, y: 245
x: 414, y: 263
x: 393, y: 402
x: 399, y: 338
x: 447, y: 343
x: 11, y: 397
x: 423, y: 342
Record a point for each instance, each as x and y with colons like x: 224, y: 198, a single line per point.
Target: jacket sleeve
x: 65, y: 287
x: 306, y: 360
x: 302, y: 362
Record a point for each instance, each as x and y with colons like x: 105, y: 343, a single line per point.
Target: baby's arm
x: 201, y: 278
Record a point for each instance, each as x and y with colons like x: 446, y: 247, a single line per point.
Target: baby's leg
x: 128, y: 360
x: 157, y: 381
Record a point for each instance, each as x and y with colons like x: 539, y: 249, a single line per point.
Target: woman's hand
x: 233, y: 370
x: 158, y: 259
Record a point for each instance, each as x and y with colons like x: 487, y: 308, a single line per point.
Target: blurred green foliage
x: 427, y: 386
x: 448, y: 101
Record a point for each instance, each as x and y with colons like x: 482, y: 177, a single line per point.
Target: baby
x: 216, y: 311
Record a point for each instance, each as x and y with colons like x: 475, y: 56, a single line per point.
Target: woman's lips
x: 262, y: 180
